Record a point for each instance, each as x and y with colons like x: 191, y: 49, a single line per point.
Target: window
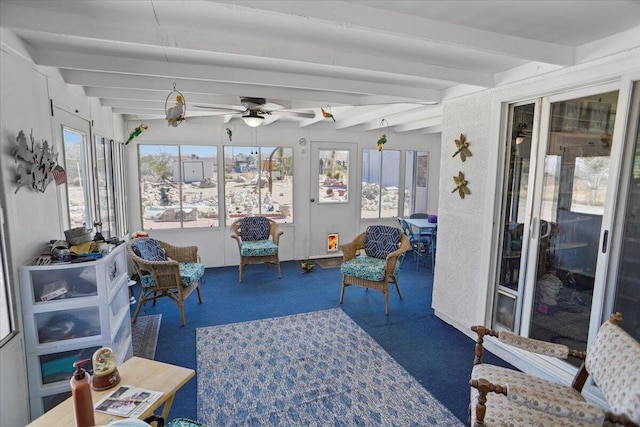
x: 104, y: 188
x: 334, y: 176
x: 76, y: 155
x: 590, y: 175
x: 380, y: 183
x: 119, y: 188
x: 7, y: 324
x: 416, y: 179
x: 258, y: 181
x: 178, y: 186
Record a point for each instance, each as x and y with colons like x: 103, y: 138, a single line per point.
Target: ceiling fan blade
x: 302, y: 114
x: 230, y: 110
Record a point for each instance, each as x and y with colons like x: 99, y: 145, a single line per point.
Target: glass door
x: 332, y: 198
x: 558, y: 207
x: 571, y: 187
x: 516, y: 200
x: 626, y: 298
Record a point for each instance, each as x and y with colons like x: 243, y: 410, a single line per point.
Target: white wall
x: 32, y: 218
x: 458, y: 287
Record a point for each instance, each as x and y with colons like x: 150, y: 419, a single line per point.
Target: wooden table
x: 139, y: 372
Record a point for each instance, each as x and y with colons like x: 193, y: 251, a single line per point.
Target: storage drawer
x: 122, y: 341
x: 62, y: 325
x: 57, y: 367
x: 40, y: 405
x: 115, y: 268
x: 120, y: 302
x: 49, y: 286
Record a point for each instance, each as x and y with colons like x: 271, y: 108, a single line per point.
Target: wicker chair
x: 258, y: 241
x: 501, y: 396
x: 383, y: 246
x: 165, y: 271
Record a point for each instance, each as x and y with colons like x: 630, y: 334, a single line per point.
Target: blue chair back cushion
x: 190, y: 273
x: 381, y: 240
x: 258, y: 248
x: 148, y: 249
x: 254, y: 228
x: 365, y: 267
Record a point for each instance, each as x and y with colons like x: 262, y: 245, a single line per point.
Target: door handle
x: 605, y: 239
x: 534, y: 223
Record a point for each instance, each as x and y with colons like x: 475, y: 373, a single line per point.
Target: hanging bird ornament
x: 327, y: 115
x: 175, y: 114
x: 229, y: 134
x: 381, y: 141
x: 461, y: 185
x: 463, y: 148
x: 136, y: 132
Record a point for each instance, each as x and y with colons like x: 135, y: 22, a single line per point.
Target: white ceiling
x: 363, y: 60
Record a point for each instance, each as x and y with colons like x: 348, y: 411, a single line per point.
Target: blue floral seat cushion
x: 148, y: 249
x: 258, y: 248
x: 253, y: 228
x: 381, y: 240
x: 190, y: 273
x: 184, y: 422
x: 366, y: 267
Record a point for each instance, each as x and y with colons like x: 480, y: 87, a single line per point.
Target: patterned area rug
x: 144, y: 335
x: 328, y: 262
x: 312, y: 369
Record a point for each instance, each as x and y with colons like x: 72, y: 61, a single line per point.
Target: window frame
x: 258, y: 155
x: 8, y: 307
x: 178, y: 159
x: 380, y: 168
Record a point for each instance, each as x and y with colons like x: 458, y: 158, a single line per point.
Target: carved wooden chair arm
x: 538, y: 400
x: 560, y: 351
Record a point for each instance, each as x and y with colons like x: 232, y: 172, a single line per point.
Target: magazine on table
x: 127, y: 401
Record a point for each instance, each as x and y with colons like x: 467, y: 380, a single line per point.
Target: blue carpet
x: 310, y: 369
x: 436, y: 354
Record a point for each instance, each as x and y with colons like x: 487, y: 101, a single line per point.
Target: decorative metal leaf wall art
x: 461, y: 185
x: 39, y: 163
x: 462, y: 148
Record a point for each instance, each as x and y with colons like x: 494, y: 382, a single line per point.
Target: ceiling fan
x: 253, y: 110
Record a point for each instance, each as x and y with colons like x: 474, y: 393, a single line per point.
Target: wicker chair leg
x: 181, y: 307
x: 199, y: 296
x: 240, y: 270
x: 279, y: 272
x: 395, y: 282
x: 342, y: 291
x: 386, y: 302
x: 141, y: 301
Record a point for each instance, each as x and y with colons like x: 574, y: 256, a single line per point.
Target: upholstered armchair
x: 258, y: 240
x: 165, y: 271
x: 383, y: 245
x: 501, y: 396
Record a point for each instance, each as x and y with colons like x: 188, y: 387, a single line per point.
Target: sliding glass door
x: 571, y: 192
x: 626, y: 295
x: 557, y: 203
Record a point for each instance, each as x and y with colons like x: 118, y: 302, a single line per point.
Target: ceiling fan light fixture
x: 253, y: 120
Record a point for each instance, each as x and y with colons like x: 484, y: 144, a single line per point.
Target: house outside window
x: 258, y: 181
x: 178, y: 186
